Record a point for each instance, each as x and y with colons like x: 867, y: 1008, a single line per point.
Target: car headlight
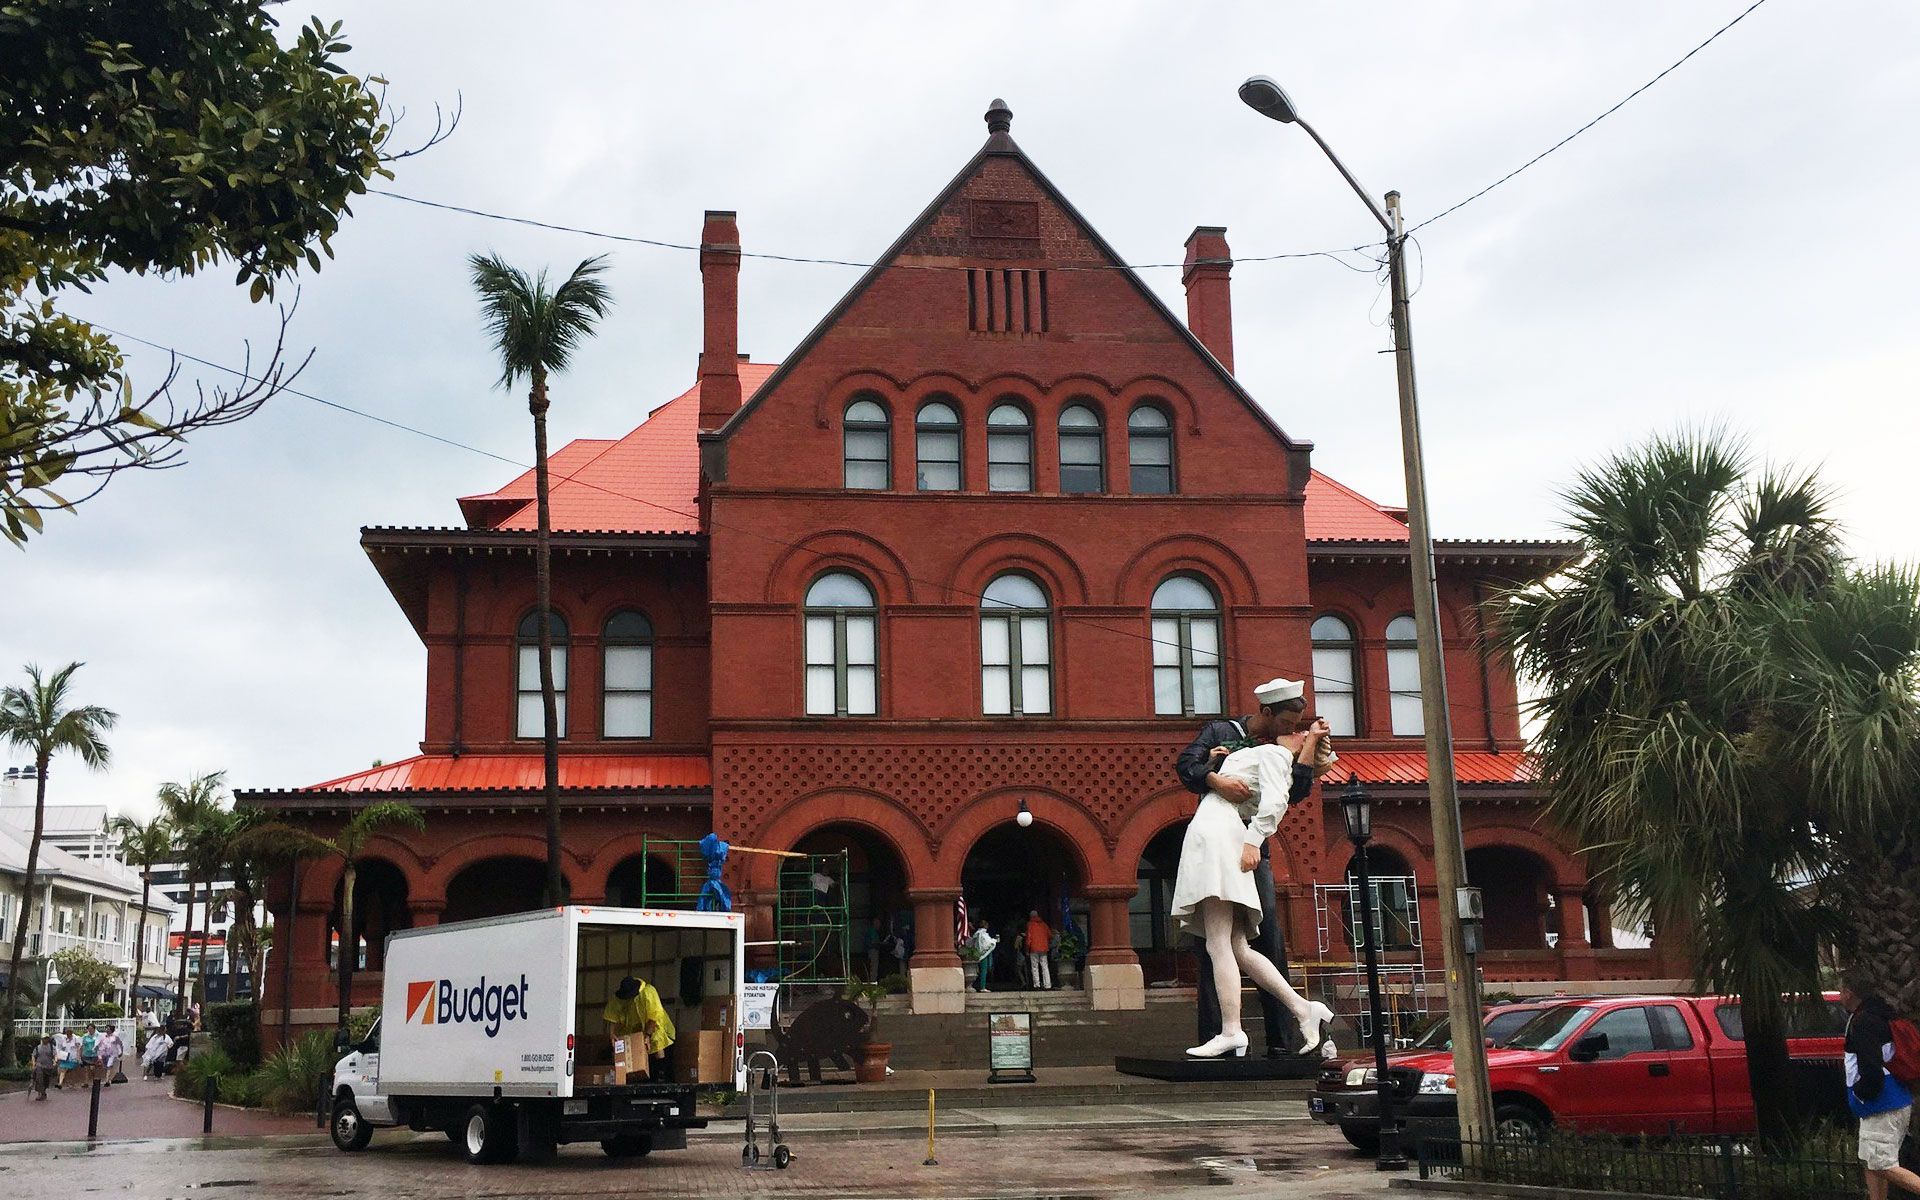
x: 1361, y: 1077
x: 1437, y: 1085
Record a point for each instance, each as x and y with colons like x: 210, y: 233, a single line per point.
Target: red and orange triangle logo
x: 417, y: 994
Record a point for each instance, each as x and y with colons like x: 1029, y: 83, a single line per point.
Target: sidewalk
x: 135, y: 1109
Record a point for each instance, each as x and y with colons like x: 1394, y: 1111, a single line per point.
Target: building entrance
x: 1010, y: 873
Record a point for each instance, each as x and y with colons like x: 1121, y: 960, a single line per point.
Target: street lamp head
x: 1024, y: 817
x: 1264, y: 96
x: 1356, y: 806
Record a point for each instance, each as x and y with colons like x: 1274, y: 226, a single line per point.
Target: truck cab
x: 357, y: 1076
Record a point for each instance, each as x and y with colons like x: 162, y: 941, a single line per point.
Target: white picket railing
x: 32, y: 1029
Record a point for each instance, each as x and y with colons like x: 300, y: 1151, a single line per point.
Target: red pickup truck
x: 1626, y: 1065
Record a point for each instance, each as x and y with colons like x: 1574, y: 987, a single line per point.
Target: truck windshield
x: 1550, y: 1029
x: 1436, y: 1036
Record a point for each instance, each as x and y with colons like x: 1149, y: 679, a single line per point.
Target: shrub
x: 235, y: 1027
x: 243, y: 1090
x: 102, y: 1011
x: 190, y: 1077
x: 292, y: 1077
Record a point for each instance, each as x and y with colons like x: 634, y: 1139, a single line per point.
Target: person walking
x: 67, y: 1047
x: 983, y: 943
x: 1039, y: 942
x: 153, y: 1062
x: 90, y: 1055
x: 112, y: 1049
x: 1882, y: 1102
x: 45, y: 1060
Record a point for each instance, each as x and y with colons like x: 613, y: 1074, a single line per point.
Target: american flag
x: 961, y: 930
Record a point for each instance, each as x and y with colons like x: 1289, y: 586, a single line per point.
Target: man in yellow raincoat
x: 635, y: 1010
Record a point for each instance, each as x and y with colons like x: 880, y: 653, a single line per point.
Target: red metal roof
x: 523, y: 772
x: 1410, y: 766
x: 1335, y: 512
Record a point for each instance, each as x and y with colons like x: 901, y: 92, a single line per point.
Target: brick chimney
x: 1209, y: 296
x: 720, y: 306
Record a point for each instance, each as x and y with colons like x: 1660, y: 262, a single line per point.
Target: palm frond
x: 535, y: 327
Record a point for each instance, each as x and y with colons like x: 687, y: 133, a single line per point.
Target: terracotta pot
x: 873, y: 1062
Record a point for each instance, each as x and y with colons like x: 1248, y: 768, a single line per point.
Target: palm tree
x: 347, y: 846
x: 195, y: 812
x: 1659, y: 735
x: 144, y: 845
x: 536, y: 329
x: 38, y: 718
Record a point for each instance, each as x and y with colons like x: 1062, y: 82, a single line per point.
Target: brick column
x: 1114, y: 979
x: 425, y: 911
x: 1577, y: 960
x: 938, y: 982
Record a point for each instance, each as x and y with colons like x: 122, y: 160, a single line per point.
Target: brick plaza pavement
x: 1064, y: 1158
x: 139, y: 1108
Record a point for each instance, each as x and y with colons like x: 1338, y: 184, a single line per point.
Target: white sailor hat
x: 1278, y: 691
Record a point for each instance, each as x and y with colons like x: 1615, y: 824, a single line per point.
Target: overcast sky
x: 1735, y: 246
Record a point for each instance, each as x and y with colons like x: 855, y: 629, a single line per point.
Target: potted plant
x: 1073, y: 955
x: 873, y: 1053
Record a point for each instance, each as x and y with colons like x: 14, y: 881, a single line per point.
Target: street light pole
x: 1443, y: 797
x: 1356, y: 807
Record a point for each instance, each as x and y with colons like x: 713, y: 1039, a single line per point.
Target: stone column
x: 425, y: 910
x: 938, y: 982
x: 1576, y: 953
x: 1114, y: 979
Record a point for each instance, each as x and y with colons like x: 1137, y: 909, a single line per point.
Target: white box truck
x: 492, y: 1031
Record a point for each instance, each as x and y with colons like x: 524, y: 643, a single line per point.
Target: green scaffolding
x: 677, y: 887
x: 811, y: 922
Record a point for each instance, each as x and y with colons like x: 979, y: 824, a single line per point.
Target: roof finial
x: 999, y: 117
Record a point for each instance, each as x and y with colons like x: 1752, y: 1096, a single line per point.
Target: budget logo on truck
x: 444, y: 1002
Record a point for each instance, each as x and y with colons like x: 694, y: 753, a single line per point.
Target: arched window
x: 1150, y: 451
x: 626, y: 676
x: 1403, y: 678
x: 865, y: 430
x: 529, y: 718
x: 1083, y: 452
x: 937, y: 448
x: 842, y: 664
x: 1016, y: 652
x: 1333, y: 681
x: 1186, y: 648
x: 1009, y: 449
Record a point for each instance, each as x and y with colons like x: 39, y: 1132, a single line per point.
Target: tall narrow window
x: 1083, y: 454
x: 1186, y: 648
x: 842, y: 658
x: 529, y: 718
x: 1150, y: 451
x: 1403, y: 678
x: 937, y: 448
x: 1009, y: 449
x: 626, y: 677
x: 1333, y: 690
x: 1016, y: 654
x: 866, y: 464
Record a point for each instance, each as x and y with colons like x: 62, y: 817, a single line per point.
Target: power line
x: 1590, y: 124
x: 1147, y: 638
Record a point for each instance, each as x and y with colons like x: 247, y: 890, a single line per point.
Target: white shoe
x: 1221, y: 1045
x: 1314, y: 1029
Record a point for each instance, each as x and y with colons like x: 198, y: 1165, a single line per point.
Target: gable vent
x: 1007, y: 300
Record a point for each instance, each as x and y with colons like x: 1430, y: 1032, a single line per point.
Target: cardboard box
x: 715, y: 1057
x: 716, y: 1012
x: 630, y: 1059
x: 594, y: 1076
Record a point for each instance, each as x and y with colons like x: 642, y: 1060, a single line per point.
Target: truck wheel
x: 488, y: 1135
x: 1363, y: 1138
x: 348, y: 1129
x: 1519, y: 1123
x: 631, y: 1145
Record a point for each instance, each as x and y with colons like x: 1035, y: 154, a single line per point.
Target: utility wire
x: 694, y: 517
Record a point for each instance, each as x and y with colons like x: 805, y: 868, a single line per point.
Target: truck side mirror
x: 1589, y: 1048
x: 342, y: 1041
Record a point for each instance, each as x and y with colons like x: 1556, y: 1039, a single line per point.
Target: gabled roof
x: 70, y: 869
x: 1000, y: 143
x: 1335, y: 512
x: 645, y: 482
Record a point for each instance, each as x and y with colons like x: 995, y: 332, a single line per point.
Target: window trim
x: 840, y: 665
x: 562, y: 657
x: 1012, y: 617
x: 1419, y: 692
x: 1026, y: 430
x: 1096, y: 435
x: 884, y: 427
x: 1355, y: 666
x: 1173, y: 459
x: 1185, y: 618
x: 609, y: 642
x: 959, y: 430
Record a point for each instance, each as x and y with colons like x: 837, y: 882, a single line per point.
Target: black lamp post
x: 1356, y: 806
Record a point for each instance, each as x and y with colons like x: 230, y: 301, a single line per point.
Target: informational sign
x: 756, y: 1005
x: 1010, y: 1047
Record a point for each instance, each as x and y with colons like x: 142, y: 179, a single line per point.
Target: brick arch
x: 463, y: 854
x: 832, y: 400
x: 1205, y: 556
x: 1418, y: 858
x: 319, y: 880
x: 1159, y: 387
x: 1085, y: 383
x: 884, y: 816
x: 922, y: 388
x: 1046, y: 560
x: 818, y: 553
x: 1076, y: 826
x: 1562, y: 870
x: 592, y: 879
x: 1146, y: 822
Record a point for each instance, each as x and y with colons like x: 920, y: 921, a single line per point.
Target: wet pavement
x: 139, y: 1108
x: 1064, y: 1153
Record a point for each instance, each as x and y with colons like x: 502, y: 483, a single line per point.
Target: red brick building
x: 1001, y: 531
